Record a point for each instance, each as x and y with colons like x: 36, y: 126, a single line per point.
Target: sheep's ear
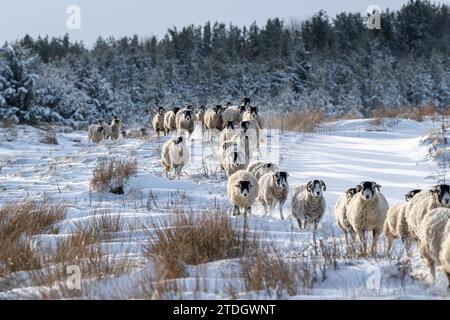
x: 309, y: 186
x: 324, y: 186
x: 358, y: 188
x: 377, y: 186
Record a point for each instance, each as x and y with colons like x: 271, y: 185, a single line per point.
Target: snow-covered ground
x: 342, y: 154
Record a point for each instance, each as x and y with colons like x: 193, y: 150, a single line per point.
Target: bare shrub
x: 110, y: 176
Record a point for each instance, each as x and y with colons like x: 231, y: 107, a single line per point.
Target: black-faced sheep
x: 367, y: 212
x: 308, y: 203
x: 113, y: 131
x: 340, y: 211
x: 96, y: 133
x: 170, y: 123
x: 158, y: 121
x: 253, y: 113
x: 227, y: 133
x: 273, y: 190
x: 242, y: 189
x: 185, y: 121
x: 213, y: 118
x: 175, y: 155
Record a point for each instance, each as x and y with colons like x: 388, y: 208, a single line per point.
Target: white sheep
x: 308, y: 203
x: 170, y: 124
x: 273, y: 190
x: 185, y: 121
x: 158, y: 121
x: 260, y: 168
x: 175, y: 155
x: 213, y: 118
x: 96, y: 133
x: 253, y: 113
x: 367, y: 211
x: 242, y: 189
x: 233, y: 159
x: 396, y: 227
x: 432, y: 233
x: 422, y: 203
x: 113, y: 131
x: 340, y: 211
x: 233, y: 113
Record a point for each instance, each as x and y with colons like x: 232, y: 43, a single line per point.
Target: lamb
x: 113, y: 131
x: 233, y: 160
x: 158, y: 121
x: 273, y: 189
x: 227, y: 133
x: 96, y: 133
x: 213, y: 118
x: 253, y: 113
x: 434, y: 230
x: 260, y: 168
x: 340, y: 211
x: 170, y: 124
x: 242, y: 189
x: 308, y: 203
x: 185, y: 121
x: 422, y: 203
x: 175, y: 155
x: 367, y: 211
x: 396, y: 227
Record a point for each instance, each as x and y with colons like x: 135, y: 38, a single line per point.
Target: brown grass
x: 418, y: 113
x: 299, y: 121
x: 18, y: 223
x: 110, y: 176
x: 196, y: 239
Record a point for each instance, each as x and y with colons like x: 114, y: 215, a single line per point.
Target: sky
x: 145, y: 17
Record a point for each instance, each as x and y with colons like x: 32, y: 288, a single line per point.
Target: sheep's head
x: 100, y: 129
x: 254, y: 112
x: 244, y: 187
x: 368, y: 189
x: 442, y: 193
x: 411, y: 194
x: 228, y: 104
x: 242, y: 109
x: 316, y: 187
x: 218, y: 109
x: 188, y: 115
x: 230, y: 125
x: 123, y: 134
x: 189, y: 107
x: 350, y: 193
x: 178, y: 141
x: 161, y: 111
x: 246, y: 102
x: 202, y: 109
x: 116, y: 122
x: 280, y: 179
x: 175, y: 110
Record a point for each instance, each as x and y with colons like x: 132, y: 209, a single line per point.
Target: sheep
x: 170, y: 120
x: 367, y: 211
x: 273, y: 189
x: 422, y: 203
x: 248, y: 135
x: 253, y: 113
x: 158, y: 121
x: 175, y: 155
x: 260, y: 168
x: 233, y: 160
x: 396, y: 227
x: 433, y: 231
x: 242, y: 190
x: 227, y: 133
x: 185, y: 121
x: 308, y: 203
x: 113, y: 131
x: 96, y: 133
x: 213, y: 118
x: 444, y: 256
x: 340, y: 211
x: 233, y: 113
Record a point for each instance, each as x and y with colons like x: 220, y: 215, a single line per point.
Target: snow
x: 342, y: 154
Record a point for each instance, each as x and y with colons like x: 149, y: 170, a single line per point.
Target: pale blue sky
x: 120, y: 17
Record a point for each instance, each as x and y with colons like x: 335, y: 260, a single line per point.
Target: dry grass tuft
x: 110, y: 176
x: 298, y: 121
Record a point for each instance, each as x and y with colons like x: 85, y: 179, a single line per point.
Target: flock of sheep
x: 423, y: 218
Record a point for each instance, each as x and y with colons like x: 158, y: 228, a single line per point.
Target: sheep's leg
x: 376, y: 234
x: 407, y: 242
x: 299, y: 223
x: 248, y: 211
x: 362, y: 239
x: 264, y: 204
x: 236, y: 211
x: 429, y: 262
x: 316, y: 224
x: 280, y: 206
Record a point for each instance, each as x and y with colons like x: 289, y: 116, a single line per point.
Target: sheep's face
x: 244, y: 188
x: 350, y: 193
x: 316, y: 187
x: 218, y: 110
x: 246, y: 102
x: 115, y: 122
x: 281, y: 179
x: 411, y: 194
x: 100, y: 129
x: 242, y: 109
x: 442, y: 192
x: 175, y: 110
x: 254, y: 112
x: 188, y: 116
x: 368, y: 189
x: 161, y: 111
x: 230, y: 125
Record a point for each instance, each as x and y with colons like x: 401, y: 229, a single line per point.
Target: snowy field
x: 342, y: 154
